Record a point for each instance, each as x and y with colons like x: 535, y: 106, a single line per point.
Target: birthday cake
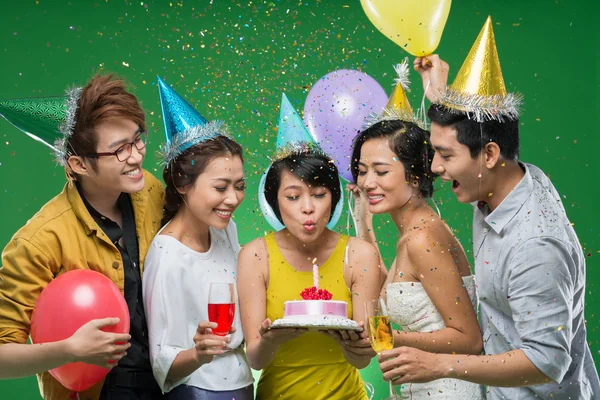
x: 316, y: 311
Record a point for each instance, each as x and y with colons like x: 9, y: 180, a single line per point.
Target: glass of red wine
x: 221, y: 306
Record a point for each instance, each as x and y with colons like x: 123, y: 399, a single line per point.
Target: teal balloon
x: 265, y: 207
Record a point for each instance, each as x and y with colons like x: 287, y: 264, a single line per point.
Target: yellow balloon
x: 414, y: 25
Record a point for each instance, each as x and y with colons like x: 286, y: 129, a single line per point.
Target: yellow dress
x: 311, y: 366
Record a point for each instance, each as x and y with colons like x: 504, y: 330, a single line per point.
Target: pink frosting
x: 316, y: 307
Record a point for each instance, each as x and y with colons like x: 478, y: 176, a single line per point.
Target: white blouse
x: 176, y: 282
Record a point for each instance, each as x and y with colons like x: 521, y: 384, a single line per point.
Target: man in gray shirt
x: 529, y: 265
x: 531, y: 274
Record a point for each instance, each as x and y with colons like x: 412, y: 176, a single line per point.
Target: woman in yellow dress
x: 303, y: 188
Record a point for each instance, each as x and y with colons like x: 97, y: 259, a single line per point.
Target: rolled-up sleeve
x: 163, y: 303
x: 540, y: 294
x: 25, y: 272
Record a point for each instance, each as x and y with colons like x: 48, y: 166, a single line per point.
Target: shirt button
x: 116, y: 265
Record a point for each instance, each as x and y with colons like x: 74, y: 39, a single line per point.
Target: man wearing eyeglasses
x: 104, y: 220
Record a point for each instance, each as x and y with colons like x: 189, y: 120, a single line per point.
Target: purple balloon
x: 335, y: 110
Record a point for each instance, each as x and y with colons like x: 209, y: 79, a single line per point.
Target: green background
x: 232, y: 60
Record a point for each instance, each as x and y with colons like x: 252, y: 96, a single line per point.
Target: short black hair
x: 475, y: 134
x: 411, y: 145
x: 314, y: 168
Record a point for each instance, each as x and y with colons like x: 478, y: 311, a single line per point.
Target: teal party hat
x: 292, y: 134
x: 292, y: 138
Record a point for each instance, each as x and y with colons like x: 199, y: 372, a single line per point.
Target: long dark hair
x: 185, y: 168
x: 314, y: 168
x: 410, y: 144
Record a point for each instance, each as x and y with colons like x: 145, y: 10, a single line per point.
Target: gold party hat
x: 479, y: 89
x: 398, y: 99
x: 398, y: 106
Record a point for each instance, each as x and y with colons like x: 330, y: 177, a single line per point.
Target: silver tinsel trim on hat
x: 60, y: 151
x: 403, y: 75
x: 392, y: 114
x: 297, y: 148
x: 67, y: 127
x: 190, y: 137
x: 482, y: 108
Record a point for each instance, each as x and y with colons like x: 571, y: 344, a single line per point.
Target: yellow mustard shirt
x: 61, y: 237
x: 311, y: 366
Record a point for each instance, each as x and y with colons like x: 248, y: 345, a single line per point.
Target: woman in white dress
x: 198, y: 245
x: 430, y: 290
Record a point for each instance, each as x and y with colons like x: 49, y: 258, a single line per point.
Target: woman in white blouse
x: 197, y: 245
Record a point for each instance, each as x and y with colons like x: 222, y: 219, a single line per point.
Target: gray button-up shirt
x: 530, y: 271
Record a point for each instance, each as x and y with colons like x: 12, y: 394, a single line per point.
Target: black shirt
x: 137, y: 358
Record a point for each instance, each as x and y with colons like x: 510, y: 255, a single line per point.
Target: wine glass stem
x: 392, y: 393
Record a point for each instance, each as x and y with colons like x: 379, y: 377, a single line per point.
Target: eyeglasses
x: 124, y: 152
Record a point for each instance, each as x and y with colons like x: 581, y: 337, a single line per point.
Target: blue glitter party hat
x: 184, y: 126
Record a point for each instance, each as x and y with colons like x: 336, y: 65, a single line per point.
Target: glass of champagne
x: 221, y: 306
x: 380, y: 331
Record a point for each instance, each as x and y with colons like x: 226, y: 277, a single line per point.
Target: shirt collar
x: 139, y: 202
x: 510, y: 206
x: 79, y: 208
x: 94, y: 213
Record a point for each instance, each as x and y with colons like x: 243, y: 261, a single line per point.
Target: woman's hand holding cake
x: 354, y: 344
x: 278, y: 336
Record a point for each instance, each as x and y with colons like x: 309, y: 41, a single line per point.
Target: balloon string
x: 436, y: 206
x: 351, y: 215
x: 422, y: 114
x: 481, y: 159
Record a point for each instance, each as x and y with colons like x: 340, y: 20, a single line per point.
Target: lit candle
x: 315, y: 274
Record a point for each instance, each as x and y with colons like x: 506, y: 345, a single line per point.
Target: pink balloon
x: 68, y: 302
x: 336, y: 108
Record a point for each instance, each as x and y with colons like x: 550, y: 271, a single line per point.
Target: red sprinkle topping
x: 312, y: 293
